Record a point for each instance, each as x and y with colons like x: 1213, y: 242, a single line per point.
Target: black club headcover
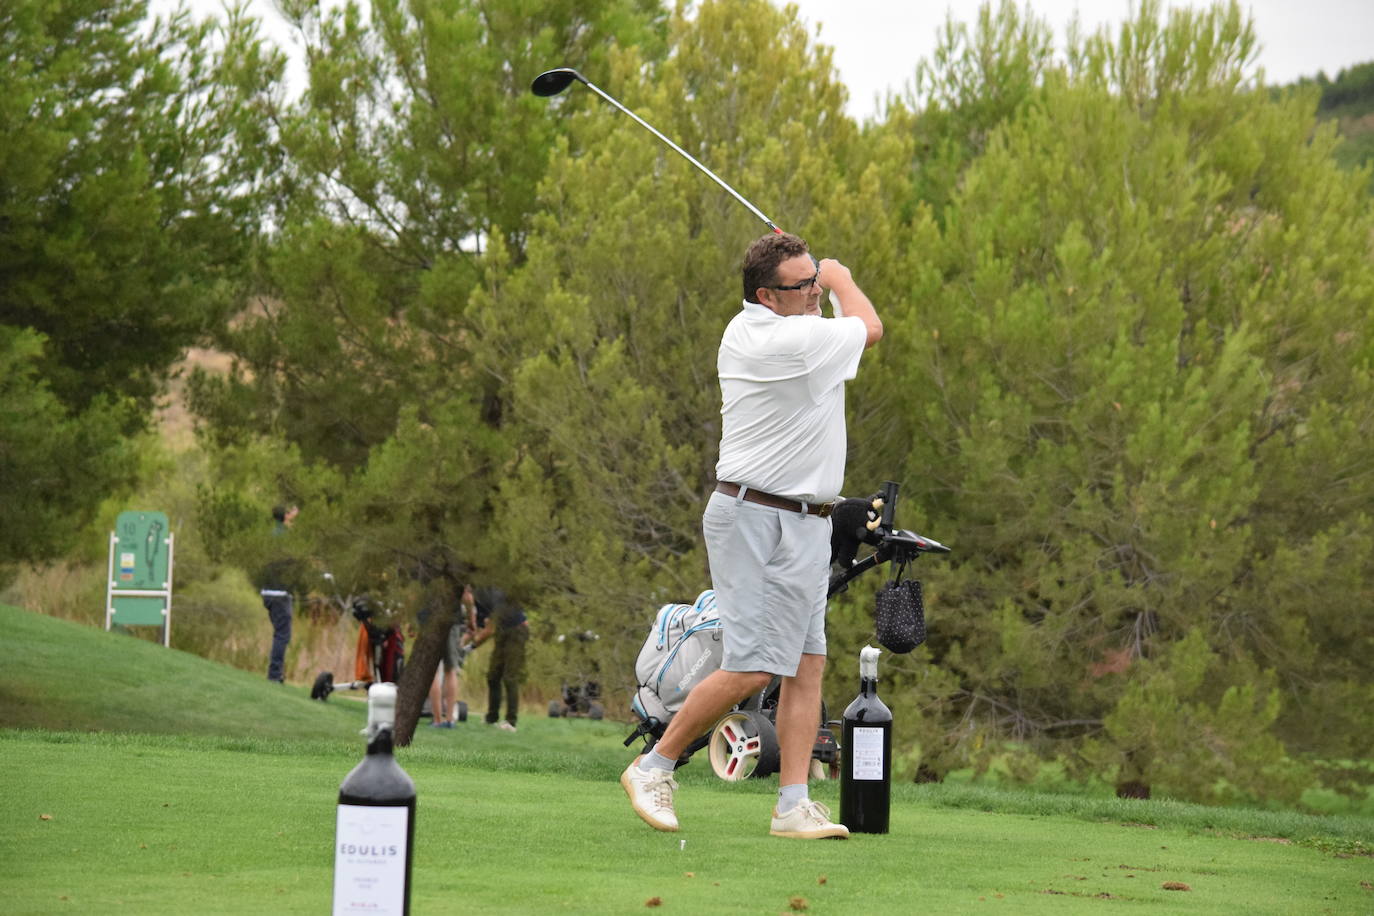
x: 849, y: 528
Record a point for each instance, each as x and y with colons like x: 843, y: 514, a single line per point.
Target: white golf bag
x: 683, y: 647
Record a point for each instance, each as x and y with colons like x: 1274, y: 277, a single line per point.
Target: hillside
x: 109, y: 682
x: 1348, y: 100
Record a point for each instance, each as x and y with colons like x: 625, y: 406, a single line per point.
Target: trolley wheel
x: 323, y: 687
x: 596, y: 711
x: 555, y: 709
x: 743, y: 744
x: 461, y: 711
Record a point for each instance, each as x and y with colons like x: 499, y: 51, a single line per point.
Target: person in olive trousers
x: 496, y: 617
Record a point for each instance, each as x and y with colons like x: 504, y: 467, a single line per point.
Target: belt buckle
x: 825, y: 509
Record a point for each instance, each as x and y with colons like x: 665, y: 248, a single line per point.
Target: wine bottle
x: 866, y: 737
x: 375, y: 832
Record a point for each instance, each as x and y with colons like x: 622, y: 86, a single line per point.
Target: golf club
x: 552, y: 82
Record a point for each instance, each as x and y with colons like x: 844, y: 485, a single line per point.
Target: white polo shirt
x: 782, y: 401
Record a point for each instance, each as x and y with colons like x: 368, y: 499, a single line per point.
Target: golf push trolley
x: 580, y: 697
x: 744, y: 742
x: 380, y: 655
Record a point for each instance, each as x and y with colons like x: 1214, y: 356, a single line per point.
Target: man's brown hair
x: 763, y: 257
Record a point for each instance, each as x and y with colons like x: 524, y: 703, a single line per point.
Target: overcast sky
x: 878, y: 42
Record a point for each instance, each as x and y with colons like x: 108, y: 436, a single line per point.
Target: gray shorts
x: 453, y: 649
x: 770, y: 569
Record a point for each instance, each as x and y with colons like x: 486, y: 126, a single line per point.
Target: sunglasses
x: 805, y: 284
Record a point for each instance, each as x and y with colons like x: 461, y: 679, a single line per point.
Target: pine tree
x: 127, y: 208
x: 1136, y: 406
x: 408, y: 165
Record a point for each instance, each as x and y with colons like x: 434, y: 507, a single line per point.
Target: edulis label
x: 370, y: 860
x: 866, y: 749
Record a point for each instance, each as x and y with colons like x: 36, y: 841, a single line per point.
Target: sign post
x: 139, y: 589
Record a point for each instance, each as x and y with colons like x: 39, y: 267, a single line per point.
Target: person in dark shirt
x: 495, y: 615
x: 275, y: 585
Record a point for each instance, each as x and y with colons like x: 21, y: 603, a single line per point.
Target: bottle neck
x: 381, y: 743
x: 868, y: 686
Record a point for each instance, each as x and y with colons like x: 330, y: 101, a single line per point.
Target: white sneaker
x: 651, y: 794
x: 506, y: 727
x: 809, y: 820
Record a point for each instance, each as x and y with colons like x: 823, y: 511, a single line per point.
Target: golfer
x: 276, y: 582
x: 782, y: 368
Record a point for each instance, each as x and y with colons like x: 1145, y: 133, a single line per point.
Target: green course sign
x: 139, y: 591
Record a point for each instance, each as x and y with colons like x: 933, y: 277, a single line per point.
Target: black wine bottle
x: 375, y: 832
x: 866, y: 739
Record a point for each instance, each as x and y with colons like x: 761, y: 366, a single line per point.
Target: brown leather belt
x: 777, y: 502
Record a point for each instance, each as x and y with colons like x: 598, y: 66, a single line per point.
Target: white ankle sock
x: 654, y: 760
x: 791, y: 796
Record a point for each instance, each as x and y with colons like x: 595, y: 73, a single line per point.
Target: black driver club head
x: 552, y: 82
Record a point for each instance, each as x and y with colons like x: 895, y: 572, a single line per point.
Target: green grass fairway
x: 173, y: 815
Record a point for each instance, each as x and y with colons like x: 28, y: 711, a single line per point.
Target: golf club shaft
x: 684, y: 154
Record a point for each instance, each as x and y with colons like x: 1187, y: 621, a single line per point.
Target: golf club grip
x: 889, y: 492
